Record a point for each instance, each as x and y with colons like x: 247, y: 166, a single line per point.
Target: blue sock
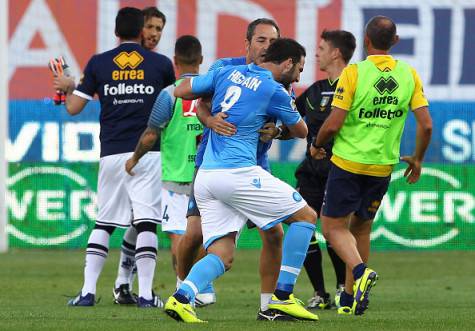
x: 208, y: 289
x: 346, y: 300
x: 358, y: 270
x: 294, y: 250
x: 201, y: 275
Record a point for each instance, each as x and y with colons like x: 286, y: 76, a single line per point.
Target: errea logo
x: 386, y: 85
x: 131, y: 60
x: 127, y: 62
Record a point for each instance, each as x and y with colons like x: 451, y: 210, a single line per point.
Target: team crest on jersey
x: 292, y: 104
x: 324, y: 102
x: 189, y: 108
x: 131, y: 60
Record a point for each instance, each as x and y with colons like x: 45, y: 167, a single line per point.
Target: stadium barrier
x: 53, y: 179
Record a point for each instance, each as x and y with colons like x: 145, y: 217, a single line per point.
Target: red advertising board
x: 40, y: 29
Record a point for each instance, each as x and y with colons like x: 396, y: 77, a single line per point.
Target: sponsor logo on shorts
x: 256, y: 182
x: 373, y: 208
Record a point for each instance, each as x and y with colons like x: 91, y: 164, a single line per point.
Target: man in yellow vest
x: 370, y: 106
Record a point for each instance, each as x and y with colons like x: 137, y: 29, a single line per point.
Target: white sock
x: 145, y: 259
x: 265, y: 298
x: 96, y: 254
x: 178, y: 282
x: 127, y: 258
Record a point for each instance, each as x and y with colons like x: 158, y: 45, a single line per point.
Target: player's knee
x: 191, y: 239
x: 146, y: 226
x: 107, y: 228
x: 228, y: 262
x: 360, y: 226
x: 328, y: 229
x: 306, y: 214
x: 326, y: 232
x: 193, y: 235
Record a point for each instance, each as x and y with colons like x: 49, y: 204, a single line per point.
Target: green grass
x: 416, y: 291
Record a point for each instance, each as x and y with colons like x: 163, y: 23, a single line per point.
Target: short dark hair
x: 149, y: 12
x: 283, y: 49
x: 188, y: 50
x: 381, y: 31
x: 129, y: 23
x: 251, y: 28
x: 343, y: 40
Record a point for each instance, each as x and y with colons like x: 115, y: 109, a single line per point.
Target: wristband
x: 315, y: 145
x: 278, y: 134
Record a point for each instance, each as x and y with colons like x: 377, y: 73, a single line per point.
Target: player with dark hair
x: 372, y: 100
x: 230, y: 187
x: 261, y: 33
x: 127, y: 80
x: 334, y: 52
x: 154, y: 22
x: 174, y: 121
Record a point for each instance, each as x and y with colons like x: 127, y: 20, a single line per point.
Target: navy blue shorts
x: 347, y: 192
x: 192, y: 206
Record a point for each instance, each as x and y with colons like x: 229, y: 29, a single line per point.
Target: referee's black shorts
x: 311, y: 181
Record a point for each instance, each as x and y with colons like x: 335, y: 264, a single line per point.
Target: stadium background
x: 53, y: 157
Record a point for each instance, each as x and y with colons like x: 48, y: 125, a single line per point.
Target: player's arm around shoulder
x: 198, y: 86
x: 218, y: 122
x: 184, y: 90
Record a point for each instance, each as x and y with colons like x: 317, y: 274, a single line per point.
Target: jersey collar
x: 255, y: 68
x: 187, y: 75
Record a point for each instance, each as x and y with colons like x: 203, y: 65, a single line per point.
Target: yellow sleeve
x: 418, y: 99
x: 345, y: 90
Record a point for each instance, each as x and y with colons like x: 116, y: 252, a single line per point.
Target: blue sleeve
x: 162, y: 111
x: 204, y: 84
x: 216, y: 65
x: 282, y: 107
x: 88, y: 84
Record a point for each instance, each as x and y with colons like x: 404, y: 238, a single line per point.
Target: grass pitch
x: 416, y: 291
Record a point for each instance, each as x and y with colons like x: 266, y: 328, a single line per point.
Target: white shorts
x: 174, y: 207
x: 122, y: 198
x: 226, y: 198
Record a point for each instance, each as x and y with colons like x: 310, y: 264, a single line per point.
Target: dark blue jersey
x: 127, y: 80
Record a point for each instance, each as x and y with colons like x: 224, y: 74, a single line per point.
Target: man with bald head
x: 367, y: 122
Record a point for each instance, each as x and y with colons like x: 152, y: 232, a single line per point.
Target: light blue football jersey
x: 250, y: 96
x: 228, y: 61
